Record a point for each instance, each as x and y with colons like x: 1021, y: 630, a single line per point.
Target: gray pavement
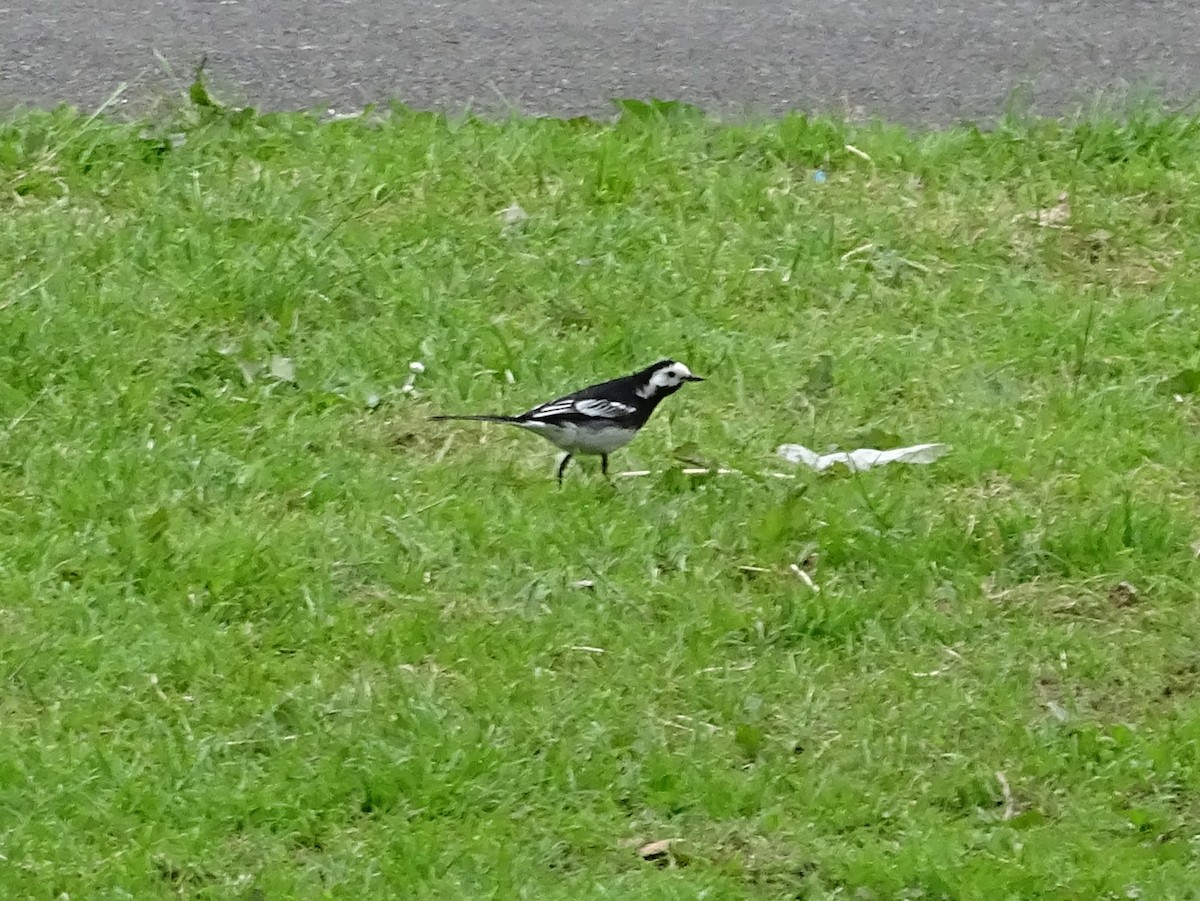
x: 917, y: 61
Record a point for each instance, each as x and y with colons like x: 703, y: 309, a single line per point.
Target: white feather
x: 603, y: 409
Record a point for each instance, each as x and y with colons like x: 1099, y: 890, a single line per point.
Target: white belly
x: 576, y: 440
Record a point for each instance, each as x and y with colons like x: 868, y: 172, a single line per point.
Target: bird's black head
x: 663, y: 378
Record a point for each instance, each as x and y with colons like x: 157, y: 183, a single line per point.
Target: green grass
x: 276, y: 638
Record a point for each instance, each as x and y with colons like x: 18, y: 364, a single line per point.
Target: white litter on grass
x: 1058, y: 711
x: 861, y: 154
x: 283, y: 369
x: 856, y: 460
x: 864, y: 458
x: 699, y: 471
x: 804, y: 577
x: 416, y: 367
x: 512, y: 215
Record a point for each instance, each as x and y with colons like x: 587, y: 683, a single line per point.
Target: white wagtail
x: 600, y: 418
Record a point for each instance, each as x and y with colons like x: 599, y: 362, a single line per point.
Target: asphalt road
x: 918, y: 61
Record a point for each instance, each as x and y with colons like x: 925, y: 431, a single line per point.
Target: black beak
x: 692, y: 378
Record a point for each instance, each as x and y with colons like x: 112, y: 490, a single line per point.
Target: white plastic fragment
x: 804, y: 577
x: 700, y: 471
x: 1058, y: 711
x: 1010, y: 807
x: 863, y: 458
x: 249, y: 369
x: 861, y: 154
x: 512, y: 215
x: 416, y: 367
x: 869, y: 247
x: 283, y: 369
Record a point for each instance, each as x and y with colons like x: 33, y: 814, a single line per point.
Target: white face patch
x: 671, y: 376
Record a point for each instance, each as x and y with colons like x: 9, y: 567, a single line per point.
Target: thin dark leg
x: 604, y: 465
x: 562, y: 466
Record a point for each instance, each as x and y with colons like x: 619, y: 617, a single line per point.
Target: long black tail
x: 479, y: 417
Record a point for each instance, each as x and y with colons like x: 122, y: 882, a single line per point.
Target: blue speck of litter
x: 819, y: 176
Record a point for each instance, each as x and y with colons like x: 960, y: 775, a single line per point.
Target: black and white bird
x: 598, y: 419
